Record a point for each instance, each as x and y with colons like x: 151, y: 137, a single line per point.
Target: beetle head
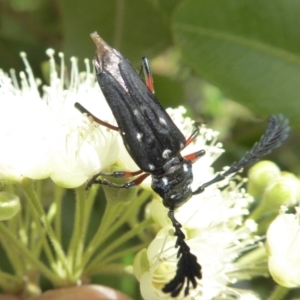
x: 174, y: 186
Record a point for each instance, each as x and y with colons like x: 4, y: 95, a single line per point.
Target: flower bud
x: 9, y: 205
x: 283, y: 191
x: 294, y: 183
x: 260, y: 176
x: 283, y: 244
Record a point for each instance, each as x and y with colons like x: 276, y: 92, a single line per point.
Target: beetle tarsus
x: 126, y: 185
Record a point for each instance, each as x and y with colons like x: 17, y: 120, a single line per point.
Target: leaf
x: 249, y: 49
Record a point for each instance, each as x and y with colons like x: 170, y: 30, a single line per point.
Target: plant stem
x: 15, y: 260
x: 279, y: 293
x: 40, y: 215
x: 57, y: 219
x: 112, y: 220
x: 115, y: 244
x: 126, y: 215
x: 78, y: 236
x: 111, y: 210
x: 27, y: 254
x: 94, y: 269
x: 91, y: 196
x: 10, y: 283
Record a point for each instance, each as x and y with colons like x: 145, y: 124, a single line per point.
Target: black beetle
x: 154, y: 142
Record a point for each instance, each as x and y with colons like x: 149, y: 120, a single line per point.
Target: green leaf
x: 249, y: 49
x: 133, y: 27
x: 166, y: 6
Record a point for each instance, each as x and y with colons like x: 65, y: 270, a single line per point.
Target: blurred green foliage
x: 250, y: 50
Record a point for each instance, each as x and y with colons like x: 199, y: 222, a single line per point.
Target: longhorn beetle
x: 154, y: 142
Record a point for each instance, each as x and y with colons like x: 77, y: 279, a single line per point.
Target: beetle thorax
x: 173, y: 185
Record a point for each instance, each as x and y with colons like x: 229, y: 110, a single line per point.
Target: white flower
x: 283, y: 244
x: 43, y: 135
x: 24, y: 127
x: 214, y: 229
x: 216, y: 249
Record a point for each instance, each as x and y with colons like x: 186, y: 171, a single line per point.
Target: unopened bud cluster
x: 272, y: 187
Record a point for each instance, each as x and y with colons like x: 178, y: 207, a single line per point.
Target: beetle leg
x: 126, y: 185
x: 117, y: 174
x: 194, y: 156
x: 120, y: 174
x: 147, y: 73
x: 98, y: 121
x: 194, y: 134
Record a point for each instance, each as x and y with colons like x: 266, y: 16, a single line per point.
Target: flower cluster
x: 44, y: 135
